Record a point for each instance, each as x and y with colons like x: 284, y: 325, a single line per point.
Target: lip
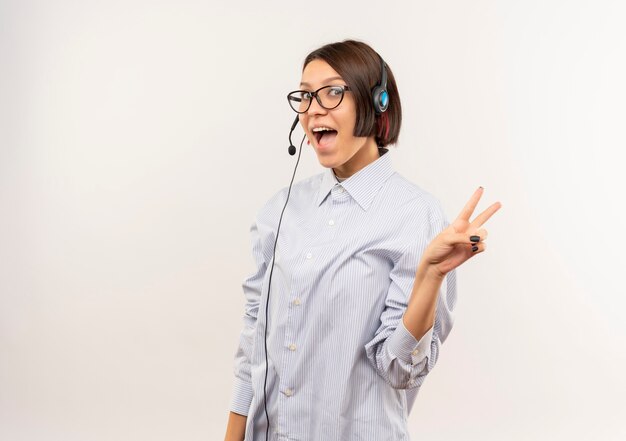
x: 315, y: 126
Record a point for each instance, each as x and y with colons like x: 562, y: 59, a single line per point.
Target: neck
x: 367, y: 154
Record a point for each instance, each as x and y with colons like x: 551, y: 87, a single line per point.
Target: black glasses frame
x: 292, y: 99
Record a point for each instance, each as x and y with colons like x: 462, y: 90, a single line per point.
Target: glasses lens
x: 299, y: 101
x: 331, y: 96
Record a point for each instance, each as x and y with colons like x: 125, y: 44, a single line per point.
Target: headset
x: 380, y: 101
x: 380, y: 97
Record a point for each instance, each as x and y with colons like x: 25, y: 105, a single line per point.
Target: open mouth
x: 324, y: 136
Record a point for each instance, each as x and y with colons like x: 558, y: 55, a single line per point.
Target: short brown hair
x: 359, y: 65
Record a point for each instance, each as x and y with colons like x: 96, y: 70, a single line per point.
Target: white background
x: 139, y: 138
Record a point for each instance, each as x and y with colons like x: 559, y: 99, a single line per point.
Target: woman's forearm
x: 236, y: 429
x: 419, y: 316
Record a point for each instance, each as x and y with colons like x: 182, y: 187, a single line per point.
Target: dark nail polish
x: 474, y: 248
x: 474, y: 238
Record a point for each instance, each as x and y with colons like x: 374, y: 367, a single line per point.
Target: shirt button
x: 340, y: 190
x: 309, y: 255
x: 289, y: 392
x: 412, y: 383
x: 292, y: 347
x: 297, y: 301
x: 331, y: 222
x: 415, y: 352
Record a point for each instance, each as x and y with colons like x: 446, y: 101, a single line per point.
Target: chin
x: 328, y: 161
x: 326, y: 164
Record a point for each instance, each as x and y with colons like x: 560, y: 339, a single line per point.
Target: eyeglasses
x: 328, y: 97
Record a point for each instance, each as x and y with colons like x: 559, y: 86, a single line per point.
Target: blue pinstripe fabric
x: 342, y: 366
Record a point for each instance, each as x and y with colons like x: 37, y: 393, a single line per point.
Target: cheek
x: 347, y: 121
x: 303, y: 120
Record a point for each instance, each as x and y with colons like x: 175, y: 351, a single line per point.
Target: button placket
x: 287, y: 361
x: 333, y: 214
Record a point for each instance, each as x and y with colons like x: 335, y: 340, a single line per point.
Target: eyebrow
x: 325, y: 81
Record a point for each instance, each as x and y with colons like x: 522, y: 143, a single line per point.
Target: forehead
x: 318, y: 73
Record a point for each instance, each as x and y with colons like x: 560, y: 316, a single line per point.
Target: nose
x: 315, y: 108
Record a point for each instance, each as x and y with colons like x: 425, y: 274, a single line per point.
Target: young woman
x: 363, y: 280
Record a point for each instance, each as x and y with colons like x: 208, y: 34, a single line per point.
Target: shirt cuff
x: 242, y: 397
x: 406, y: 347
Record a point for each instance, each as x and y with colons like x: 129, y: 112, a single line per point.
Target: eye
x: 305, y: 96
x: 335, y: 91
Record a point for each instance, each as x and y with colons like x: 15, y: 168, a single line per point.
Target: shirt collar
x: 364, y: 184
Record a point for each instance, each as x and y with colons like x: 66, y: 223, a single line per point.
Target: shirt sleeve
x: 242, y: 390
x: 401, y: 359
x: 262, y: 233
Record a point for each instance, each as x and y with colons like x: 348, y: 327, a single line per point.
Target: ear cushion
x: 379, y: 93
x: 381, y: 99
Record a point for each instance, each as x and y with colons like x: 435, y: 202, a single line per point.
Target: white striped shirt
x: 342, y: 365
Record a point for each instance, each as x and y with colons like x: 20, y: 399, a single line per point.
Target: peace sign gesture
x: 462, y: 239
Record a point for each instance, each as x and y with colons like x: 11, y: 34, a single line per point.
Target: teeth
x: 321, y: 129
